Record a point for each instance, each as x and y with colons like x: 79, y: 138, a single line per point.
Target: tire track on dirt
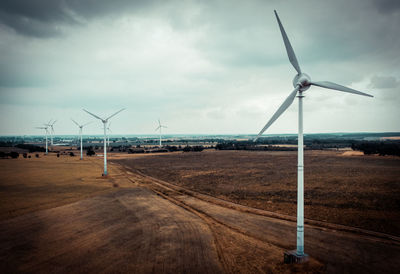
x: 341, y: 248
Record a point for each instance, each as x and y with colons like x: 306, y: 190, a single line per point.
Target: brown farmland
x: 359, y: 191
x: 60, y: 215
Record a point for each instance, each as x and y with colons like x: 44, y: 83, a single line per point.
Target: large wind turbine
x: 51, y: 125
x: 46, y: 128
x: 301, y: 83
x: 160, y: 126
x: 104, y: 121
x: 80, y: 133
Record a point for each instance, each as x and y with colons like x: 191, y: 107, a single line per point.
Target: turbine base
x: 291, y: 257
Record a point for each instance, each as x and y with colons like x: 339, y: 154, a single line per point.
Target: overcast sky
x: 203, y: 67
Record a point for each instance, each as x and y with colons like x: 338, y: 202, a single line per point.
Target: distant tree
x: 58, y: 155
x: 25, y: 155
x: 14, y: 154
x: 37, y: 155
x: 71, y: 154
x: 31, y: 148
x: 90, y: 152
x: 29, y: 156
x: 3, y: 154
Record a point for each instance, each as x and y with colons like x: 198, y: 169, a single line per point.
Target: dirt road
x: 339, y: 248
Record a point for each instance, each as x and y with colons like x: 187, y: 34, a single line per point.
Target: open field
x: 28, y: 185
x: 66, y: 218
x: 360, y: 191
x: 60, y: 215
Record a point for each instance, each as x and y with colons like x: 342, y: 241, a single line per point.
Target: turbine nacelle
x: 302, y: 80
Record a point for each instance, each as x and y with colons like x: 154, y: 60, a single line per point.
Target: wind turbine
x: 301, y: 83
x: 104, y: 121
x: 160, y: 126
x: 80, y: 133
x: 47, y: 131
x: 51, y: 125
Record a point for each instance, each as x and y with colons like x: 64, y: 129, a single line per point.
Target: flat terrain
x: 60, y: 215
x: 359, y: 191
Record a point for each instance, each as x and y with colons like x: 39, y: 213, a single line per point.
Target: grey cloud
x: 384, y: 82
x: 45, y: 18
x: 387, y: 6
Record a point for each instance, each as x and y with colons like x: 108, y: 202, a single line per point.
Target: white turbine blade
x: 53, y: 122
x: 157, y: 128
x: 93, y: 114
x: 75, y: 122
x: 289, y: 49
x: 289, y: 100
x: 115, y: 113
x: 330, y: 85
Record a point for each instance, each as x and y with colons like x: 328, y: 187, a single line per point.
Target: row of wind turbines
x: 49, y: 127
x: 301, y: 83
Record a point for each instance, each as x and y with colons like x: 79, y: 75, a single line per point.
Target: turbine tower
x: 80, y: 133
x: 108, y: 136
x: 47, y: 131
x: 104, y: 121
x: 160, y: 126
x: 301, y: 83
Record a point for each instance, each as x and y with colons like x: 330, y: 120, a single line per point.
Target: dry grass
x: 360, y: 191
x: 28, y: 185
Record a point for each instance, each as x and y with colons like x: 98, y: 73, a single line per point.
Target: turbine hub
x: 302, y: 80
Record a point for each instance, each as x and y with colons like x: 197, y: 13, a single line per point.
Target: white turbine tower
x: 51, y: 125
x: 301, y: 83
x: 108, y: 135
x: 46, y: 128
x: 160, y: 126
x: 104, y: 121
x: 80, y: 133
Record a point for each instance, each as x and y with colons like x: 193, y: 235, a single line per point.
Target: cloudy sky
x: 203, y: 67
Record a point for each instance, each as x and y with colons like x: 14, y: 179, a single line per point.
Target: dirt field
x: 28, y: 185
x: 60, y: 215
x: 360, y: 191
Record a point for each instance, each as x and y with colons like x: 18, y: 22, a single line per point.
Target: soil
x: 359, y: 191
x: 130, y: 222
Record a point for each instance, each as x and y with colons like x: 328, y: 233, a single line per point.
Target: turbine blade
x: 75, y: 122
x: 330, y: 85
x: 93, y: 114
x: 289, y: 49
x: 115, y: 113
x: 54, y: 122
x: 289, y: 100
x: 157, y: 128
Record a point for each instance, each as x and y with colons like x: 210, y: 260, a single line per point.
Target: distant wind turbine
x: 51, y: 125
x: 301, y: 83
x: 46, y: 128
x: 160, y: 126
x: 80, y: 133
x: 104, y: 121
